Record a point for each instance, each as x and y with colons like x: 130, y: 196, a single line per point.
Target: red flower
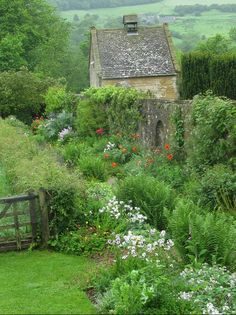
x: 106, y: 156
x: 170, y: 157
x: 134, y: 149
x: 114, y: 164
x: 167, y: 146
x: 100, y: 131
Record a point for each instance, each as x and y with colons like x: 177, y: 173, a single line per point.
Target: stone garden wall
x: 157, y: 127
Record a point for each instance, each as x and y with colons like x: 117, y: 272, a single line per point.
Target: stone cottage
x: 140, y: 57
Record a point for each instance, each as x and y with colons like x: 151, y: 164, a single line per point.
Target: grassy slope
x: 44, y: 283
x: 208, y: 24
x: 4, y: 189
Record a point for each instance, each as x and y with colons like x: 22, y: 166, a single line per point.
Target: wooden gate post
x: 44, y: 217
x: 33, y: 217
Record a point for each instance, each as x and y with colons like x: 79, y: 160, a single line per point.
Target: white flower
x: 64, y: 132
x: 185, y: 295
x: 163, y: 234
x: 152, y: 231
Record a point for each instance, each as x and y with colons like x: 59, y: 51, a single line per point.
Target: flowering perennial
x: 140, y: 246
x: 212, y: 288
x: 64, y: 132
x: 109, y: 146
x: 118, y: 209
x: 100, y: 131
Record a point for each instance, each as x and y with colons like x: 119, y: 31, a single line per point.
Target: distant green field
x: 208, y: 24
x: 164, y: 7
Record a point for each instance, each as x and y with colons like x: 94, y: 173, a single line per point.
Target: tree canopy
x: 27, y: 29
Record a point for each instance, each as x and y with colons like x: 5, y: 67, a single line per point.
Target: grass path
x: 42, y: 282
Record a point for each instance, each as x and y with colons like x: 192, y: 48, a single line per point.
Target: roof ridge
x: 121, y: 29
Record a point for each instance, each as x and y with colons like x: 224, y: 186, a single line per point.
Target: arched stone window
x: 160, y: 135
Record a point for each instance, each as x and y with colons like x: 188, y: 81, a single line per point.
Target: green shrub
x: 93, y: 167
x: 148, y: 290
x: 216, y: 185
x: 21, y: 94
x: 148, y: 194
x: 111, y: 108
x: 57, y: 99
x: 203, y: 237
x: 58, y: 126
x: 90, y: 117
x: 213, y: 137
x: 204, y: 71
x: 83, y: 241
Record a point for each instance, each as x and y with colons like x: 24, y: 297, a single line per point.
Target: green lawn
x: 42, y: 282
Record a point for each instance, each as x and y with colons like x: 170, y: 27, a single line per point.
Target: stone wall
x: 163, y: 87
x: 157, y: 127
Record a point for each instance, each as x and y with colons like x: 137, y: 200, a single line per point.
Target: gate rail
x: 36, y: 215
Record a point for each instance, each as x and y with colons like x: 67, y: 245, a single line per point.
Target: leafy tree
x: 11, y: 53
x: 21, y: 94
x: 217, y: 45
x: 28, y: 27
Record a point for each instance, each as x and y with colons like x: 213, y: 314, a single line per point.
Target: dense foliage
x: 30, y: 32
x: 114, y: 109
x: 93, y: 4
x: 34, y: 36
x: 212, y: 138
x: 21, y: 94
x: 202, y: 71
x: 167, y: 222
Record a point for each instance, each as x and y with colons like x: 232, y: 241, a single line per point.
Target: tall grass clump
x: 150, y: 195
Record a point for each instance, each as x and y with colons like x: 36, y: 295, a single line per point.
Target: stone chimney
x: 131, y: 23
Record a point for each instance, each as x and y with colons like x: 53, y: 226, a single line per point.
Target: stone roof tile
x: 146, y: 53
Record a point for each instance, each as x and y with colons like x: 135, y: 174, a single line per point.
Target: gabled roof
x: 148, y: 53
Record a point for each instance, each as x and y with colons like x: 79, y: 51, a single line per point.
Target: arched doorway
x: 160, y: 136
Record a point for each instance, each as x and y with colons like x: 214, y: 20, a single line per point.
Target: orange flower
x: 114, y: 164
x: 170, y: 157
x: 167, y: 146
x: 106, y: 156
x: 134, y: 149
x: 124, y: 150
x: 120, y: 146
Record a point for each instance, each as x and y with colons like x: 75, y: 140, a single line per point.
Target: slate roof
x: 145, y: 54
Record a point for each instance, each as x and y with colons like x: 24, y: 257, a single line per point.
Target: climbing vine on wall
x: 179, y: 132
x: 121, y: 105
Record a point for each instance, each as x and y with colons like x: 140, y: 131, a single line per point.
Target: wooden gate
x: 23, y: 221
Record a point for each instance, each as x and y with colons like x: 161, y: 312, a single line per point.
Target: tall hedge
x: 202, y: 72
